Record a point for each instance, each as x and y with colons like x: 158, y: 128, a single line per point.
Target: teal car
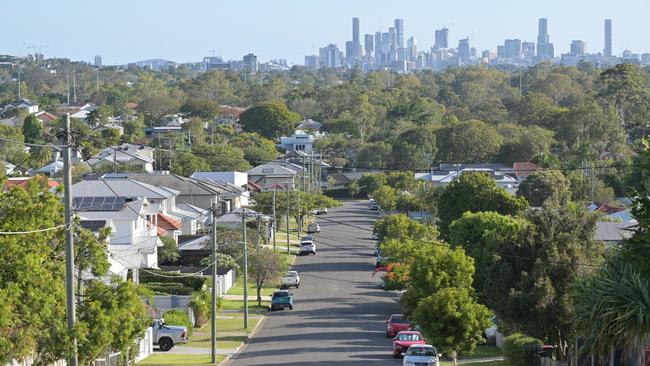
x: 281, y: 300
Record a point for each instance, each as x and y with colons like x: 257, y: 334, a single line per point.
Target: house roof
x: 275, y: 169
x: 131, y: 211
x: 614, y: 231
x: 524, y: 169
x: 124, y: 187
x: 45, y: 117
x: 132, y: 105
x: 340, y: 178
x: 93, y: 225
x: 447, y: 176
x: 168, y: 223
x: 309, y: 124
x: 22, y: 182
x: 195, y: 244
x: 254, y: 187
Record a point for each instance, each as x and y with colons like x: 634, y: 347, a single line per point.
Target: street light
x: 245, y: 213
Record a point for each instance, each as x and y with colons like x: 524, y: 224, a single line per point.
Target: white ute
x: 166, y: 336
x: 291, y: 278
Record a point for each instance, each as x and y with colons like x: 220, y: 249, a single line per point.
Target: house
x: 229, y: 116
x: 233, y: 182
x: 152, y: 132
x: 614, y: 232
x: 521, y: 171
x: 111, y: 126
x: 443, y: 177
x: 22, y: 103
x: 134, y: 240
x: 199, y: 193
x: 22, y: 182
x: 136, y: 156
x: 50, y: 169
x: 309, y: 124
x: 45, y: 117
x: 274, y: 173
x: 301, y: 140
x: 8, y: 168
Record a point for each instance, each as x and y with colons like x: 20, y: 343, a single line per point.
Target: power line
x: 32, y: 231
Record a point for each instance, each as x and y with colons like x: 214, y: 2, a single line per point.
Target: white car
x: 421, y: 355
x: 291, y: 278
x: 313, y: 228
x: 307, y: 247
x: 321, y: 211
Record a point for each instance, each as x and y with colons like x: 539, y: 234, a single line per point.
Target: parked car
x: 380, y: 262
x: 375, y: 236
x: 321, y: 211
x: 307, y: 247
x: 405, y: 339
x: 291, y: 278
x: 491, y: 332
x: 421, y: 355
x: 313, y: 228
x: 377, y: 251
x: 166, y: 336
x: 374, y: 206
x: 395, y: 324
x: 281, y: 300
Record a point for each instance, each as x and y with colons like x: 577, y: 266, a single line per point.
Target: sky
x: 123, y: 31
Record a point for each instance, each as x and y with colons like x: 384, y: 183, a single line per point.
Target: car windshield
x: 409, y: 337
x: 281, y: 294
x: 290, y: 274
x: 306, y: 243
x: 421, y: 351
x: 398, y: 319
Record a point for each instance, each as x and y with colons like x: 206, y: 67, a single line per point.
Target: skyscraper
x: 442, y: 38
x: 512, y: 48
x: 608, y: 38
x: 578, y: 48
x: 463, y: 51
x: 368, y: 44
x: 544, y: 46
x: 356, y: 40
x: 98, y: 61
x: 392, y: 38
x: 399, y: 29
x: 250, y: 63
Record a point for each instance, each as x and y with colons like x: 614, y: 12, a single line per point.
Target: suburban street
x: 339, y: 309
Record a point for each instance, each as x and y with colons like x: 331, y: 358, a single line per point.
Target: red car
x: 405, y: 339
x: 395, y: 324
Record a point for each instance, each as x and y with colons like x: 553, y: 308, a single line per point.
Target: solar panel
x: 109, y: 203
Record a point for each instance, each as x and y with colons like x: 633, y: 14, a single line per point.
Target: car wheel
x: 395, y: 355
x: 298, y: 286
x: 165, y: 344
x: 290, y: 307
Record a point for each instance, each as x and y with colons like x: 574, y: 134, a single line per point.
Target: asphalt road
x: 339, y: 309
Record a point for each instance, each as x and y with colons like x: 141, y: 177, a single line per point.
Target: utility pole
x: 288, y: 244
x: 243, y: 224
x: 74, y: 85
x: 19, y: 83
x: 97, y: 81
x: 69, y: 241
x: 213, y: 317
x: 67, y: 84
x: 274, y: 227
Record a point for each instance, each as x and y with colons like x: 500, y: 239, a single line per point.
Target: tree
x: 157, y: 106
x: 271, y: 120
x: 373, y: 155
x: 522, y: 144
x: 371, y: 182
x: 169, y: 252
x: 468, y: 142
x: 134, y: 129
x: 185, y: 163
x: 264, y: 267
x: 222, y: 157
x: 33, y: 306
x: 452, y: 320
x: 201, y: 108
x: 386, y: 198
x: 475, y: 192
x: 11, y: 151
x: 545, y: 185
x: 415, y: 148
x: 196, y: 129
x: 399, y: 226
x: 33, y: 129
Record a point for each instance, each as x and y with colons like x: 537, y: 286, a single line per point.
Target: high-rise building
x: 378, y: 49
x: 411, y: 49
x: 442, y: 38
x: 463, y: 51
x: 368, y: 44
x: 355, y: 50
x: 512, y: 48
x: 392, y: 38
x: 331, y: 56
x: 578, y: 48
x: 312, y: 62
x: 250, y: 63
x: 355, y: 31
x: 528, y: 49
x: 399, y: 30
x: 608, y: 38
x: 545, y: 48
x: 98, y: 61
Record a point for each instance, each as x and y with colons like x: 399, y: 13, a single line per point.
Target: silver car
x: 421, y: 355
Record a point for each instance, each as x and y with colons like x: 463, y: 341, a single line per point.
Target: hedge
x: 169, y: 288
x: 197, y: 283
x: 521, y: 350
x: 178, y: 317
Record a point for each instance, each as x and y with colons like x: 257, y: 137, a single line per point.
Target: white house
x: 301, y: 140
x: 138, y: 156
x: 444, y: 177
x: 231, y: 184
x: 274, y: 174
x: 22, y: 103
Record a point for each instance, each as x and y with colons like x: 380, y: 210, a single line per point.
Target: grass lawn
x: 482, y: 352
x: 165, y: 359
x: 238, y: 289
x: 235, y: 324
x: 239, y: 305
x: 203, y: 341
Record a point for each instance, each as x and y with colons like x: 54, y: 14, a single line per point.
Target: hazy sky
x: 123, y: 31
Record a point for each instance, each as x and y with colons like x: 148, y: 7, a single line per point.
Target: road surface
x: 339, y: 311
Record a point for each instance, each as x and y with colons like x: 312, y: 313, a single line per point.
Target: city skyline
x: 198, y: 29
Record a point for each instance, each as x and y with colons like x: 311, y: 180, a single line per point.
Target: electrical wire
x: 33, y: 231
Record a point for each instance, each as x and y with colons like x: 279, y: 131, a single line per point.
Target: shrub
x: 178, y: 317
x: 197, y: 283
x: 169, y: 288
x: 521, y: 350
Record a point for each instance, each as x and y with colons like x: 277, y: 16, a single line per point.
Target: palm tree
x: 612, y: 308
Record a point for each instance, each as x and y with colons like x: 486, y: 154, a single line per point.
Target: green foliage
x: 415, y: 148
x: 178, y: 317
x: 185, y: 163
x: 371, y: 182
x: 169, y: 252
x: 33, y: 129
x: 157, y: 106
x: 521, y: 350
x: 475, y: 192
x: 265, y: 266
x: 160, y: 288
x: 271, y: 120
x: 201, y: 108
x: 399, y: 226
x: 545, y: 185
x: 452, y: 320
x: 468, y: 142
x: 386, y: 198
x: 10, y: 151
x: 195, y: 283
x: 222, y: 157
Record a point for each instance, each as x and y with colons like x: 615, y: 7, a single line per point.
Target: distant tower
x: 368, y: 44
x: 442, y: 38
x: 399, y: 29
x: 464, y: 51
x: 544, y: 46
x: 98, y: 61
x: 356, y: 40
x: 608, y: 38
